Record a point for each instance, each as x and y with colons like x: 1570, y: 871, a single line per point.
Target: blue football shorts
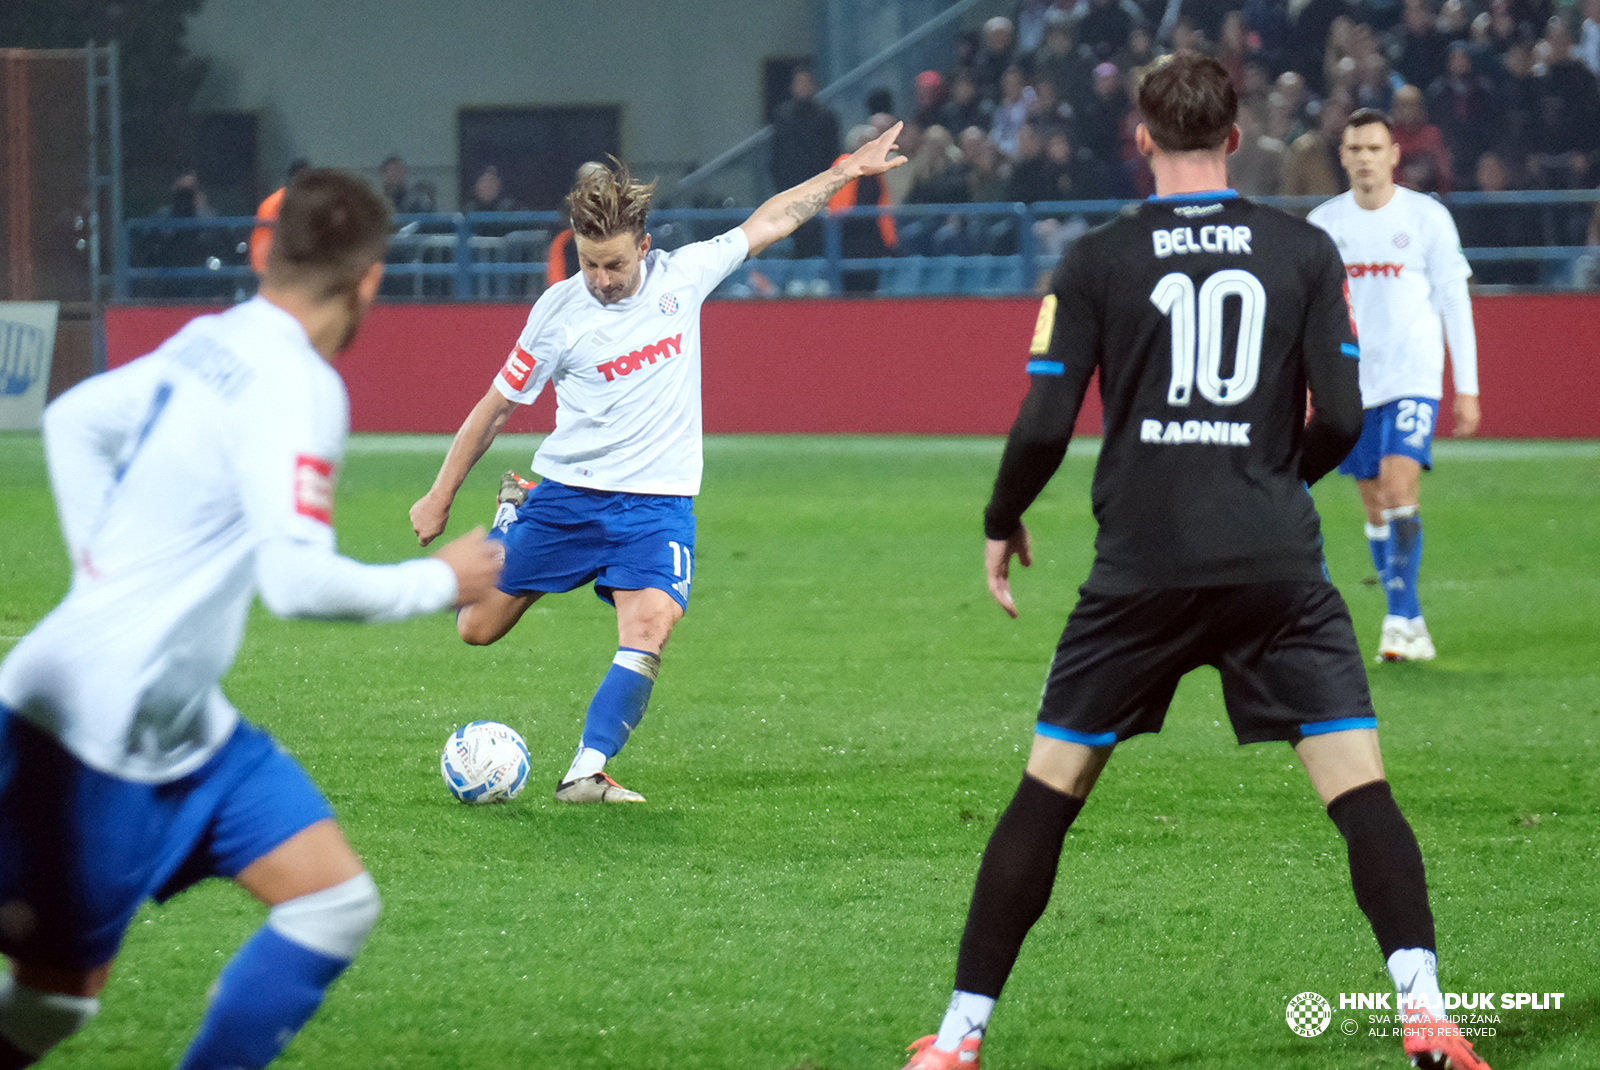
x: 1399, y: 428
x: 564, y: 537
x: 81, y: 850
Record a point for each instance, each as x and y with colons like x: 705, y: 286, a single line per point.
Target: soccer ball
x: 484, y: 762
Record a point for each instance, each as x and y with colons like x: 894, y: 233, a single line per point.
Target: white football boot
x: 1421, y: 641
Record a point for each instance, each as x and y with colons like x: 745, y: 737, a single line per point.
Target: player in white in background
x: 187, y: 481
x: 621, y: 344
x: 1408, y: 286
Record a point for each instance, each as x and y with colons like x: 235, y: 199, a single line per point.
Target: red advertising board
x: 890, y: 366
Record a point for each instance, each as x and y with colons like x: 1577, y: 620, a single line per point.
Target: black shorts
x: 1286, y: 650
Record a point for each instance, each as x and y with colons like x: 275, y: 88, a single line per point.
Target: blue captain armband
x: 1350, y: 350
x: 1046, y: 367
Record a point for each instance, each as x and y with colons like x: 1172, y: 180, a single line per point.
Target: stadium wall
x: 345, y: 84
x: 894, y: 366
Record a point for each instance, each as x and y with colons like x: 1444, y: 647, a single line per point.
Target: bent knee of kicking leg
x: 474, y: 629
x: 34, y: 1020
x: 335, y: 921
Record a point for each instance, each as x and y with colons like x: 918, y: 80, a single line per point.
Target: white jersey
x: 627, y: 375
x: 185, y: 481
x: 1401, y: 260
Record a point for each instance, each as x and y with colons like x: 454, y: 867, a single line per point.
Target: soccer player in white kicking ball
x: 1408, y: 285
x: 621, y: 346
x: 187, y: 481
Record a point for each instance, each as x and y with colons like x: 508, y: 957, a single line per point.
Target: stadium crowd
x: 1039, y: 106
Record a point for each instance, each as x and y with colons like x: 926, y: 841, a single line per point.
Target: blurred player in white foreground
x: 1408, y: 285
x: 621, y: 344
x: 186, y: 482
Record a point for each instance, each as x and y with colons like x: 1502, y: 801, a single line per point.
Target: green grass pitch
x: 838, y: 722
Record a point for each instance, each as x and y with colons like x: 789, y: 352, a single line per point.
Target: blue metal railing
x: 990, y: 248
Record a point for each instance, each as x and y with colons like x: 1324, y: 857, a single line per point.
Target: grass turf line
x: 838, y: 722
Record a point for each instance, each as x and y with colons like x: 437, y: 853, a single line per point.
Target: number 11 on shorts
x: 683, y: 567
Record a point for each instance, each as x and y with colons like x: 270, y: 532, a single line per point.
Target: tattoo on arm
x: 806, y: 207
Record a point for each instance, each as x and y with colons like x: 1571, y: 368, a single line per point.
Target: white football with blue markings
x: 484, y: 762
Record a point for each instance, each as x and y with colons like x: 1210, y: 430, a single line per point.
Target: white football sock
x: 1415, y: 971
x: 587, y: 762
x: 967, y: 1016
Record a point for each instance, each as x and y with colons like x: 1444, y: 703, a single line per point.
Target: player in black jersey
x: 1207, y: 318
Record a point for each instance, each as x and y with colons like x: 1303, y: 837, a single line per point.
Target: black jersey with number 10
x: 1207, y: 318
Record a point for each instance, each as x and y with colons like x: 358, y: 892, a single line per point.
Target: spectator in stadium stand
x: 1031, y: 19
x: 965, y: 107
x: 1531, y: 16
x: 880, y: 101
x: 1233, y: 47
x: 1267, y: 23
x: 1255, y: 169
x: 1291, y: 87
x: 1503, y: 31
x: 1517, y: 97
x: 998, y: 51
x: 1461, y: 104
x: 1500, y: 226
x: 1103, y: 26
x: 986, y: 180
x: 1568, y: 136
x: 1309, y: 29
x: 1100, y: 121
x: 1589, y: 37
x: 937, y: 174
x: 404, y: 199
x: 928, y: 90
x: 1139, y: 52
x: 1311, y: 166
x: 1422, y: 148
x: 1034, y: 176
x: 1048, y: 108
x: 1455, y: 22
x: 488, y: 194
x: 909, y: 142
x: 1254, y: 84
x: 1188, y: 37
x: 1062, y: 62
x: 1378, y: 14
x: 805, y: 140
x: 1016, y: 100
x: 863, y: 237
x: 1076, y: 181
x: 188, y: 247
x: 1420, y: 58
x: 1375, y: 82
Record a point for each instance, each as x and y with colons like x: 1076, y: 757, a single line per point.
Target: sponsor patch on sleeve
x: 1044, y: 326
x: 313, y: 488
x: 519, y: 365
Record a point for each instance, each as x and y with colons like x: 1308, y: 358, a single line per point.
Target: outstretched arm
x: 432, y: 511
x: 778, y: 218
